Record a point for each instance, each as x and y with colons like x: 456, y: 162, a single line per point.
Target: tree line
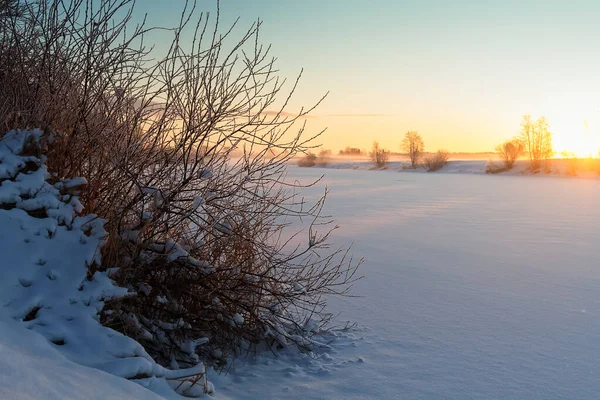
x: 534, y: 141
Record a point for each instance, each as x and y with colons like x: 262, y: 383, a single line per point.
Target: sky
x: 461, y: 73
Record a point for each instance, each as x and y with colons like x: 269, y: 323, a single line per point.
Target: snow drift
x: 46, y: 288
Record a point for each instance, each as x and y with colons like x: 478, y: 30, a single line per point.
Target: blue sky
x: 462, y: 73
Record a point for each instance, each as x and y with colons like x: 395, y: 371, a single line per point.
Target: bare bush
x: 200, y: 237
x: 309, y: 160
x: 510, y: 151
x: 9, y: 8
x: 413, y: 145
x: 379, y: 156
x: 436, y: 161
x: 575, y: 165
x: 324, y: 157
x: 572, y: 162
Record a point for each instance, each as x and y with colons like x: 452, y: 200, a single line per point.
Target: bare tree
x: 413, y: 145
x: 510, y: 151
x: 200, y: 238
x: 379, y: 156
x: 537, y: 140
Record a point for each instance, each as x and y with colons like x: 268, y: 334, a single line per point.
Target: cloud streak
x: 291, y: 115
x: 354, y: 115
x: 285, y: 114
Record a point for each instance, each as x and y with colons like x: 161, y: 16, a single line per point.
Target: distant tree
x: 413, y: 145
x: 350, y: 151
x: 309, y: 160
x: 379, y: 156
x: 510, y: 151
x: 537, y: 140
x: 324, y: 157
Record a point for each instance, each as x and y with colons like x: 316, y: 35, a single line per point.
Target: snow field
x: 476, y: 287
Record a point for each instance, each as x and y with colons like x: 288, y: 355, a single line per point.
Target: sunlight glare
x: 576, y: 133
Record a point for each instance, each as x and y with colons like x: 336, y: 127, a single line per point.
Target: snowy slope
x: 32, y: 369
x: 49, y: 306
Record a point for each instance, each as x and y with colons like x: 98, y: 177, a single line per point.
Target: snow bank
x: 45, y: 288
x: 31, y: 368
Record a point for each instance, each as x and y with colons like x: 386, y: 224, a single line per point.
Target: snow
x: 238, y: 319
x: 31, y: 369
x: 49, y: 304
x: 476, y: 287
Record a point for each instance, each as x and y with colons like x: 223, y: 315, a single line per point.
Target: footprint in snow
x: 25, y: 282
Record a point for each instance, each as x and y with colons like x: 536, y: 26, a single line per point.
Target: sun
x: 576, y: 135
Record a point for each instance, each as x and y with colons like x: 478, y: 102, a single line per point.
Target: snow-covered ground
x: 32, y: 369
x: 476, y: 287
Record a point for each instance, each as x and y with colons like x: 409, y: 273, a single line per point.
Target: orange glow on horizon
x: 573, y: 133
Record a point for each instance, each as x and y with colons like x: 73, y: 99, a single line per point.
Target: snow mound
x: 32, y: 369
x: 46, y: 251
